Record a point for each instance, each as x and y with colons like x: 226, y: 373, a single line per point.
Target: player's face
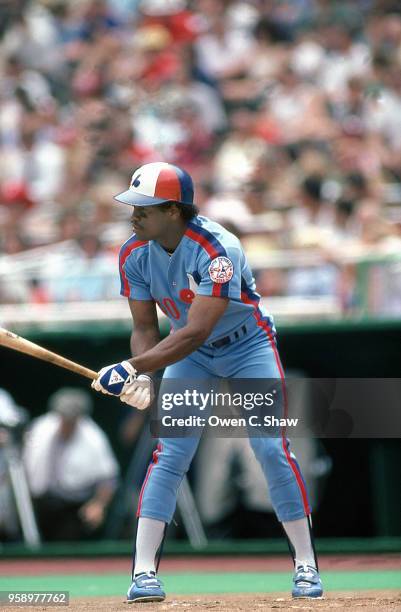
x: 149, y: 222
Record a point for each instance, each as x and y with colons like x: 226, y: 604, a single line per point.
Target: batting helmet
x: 156, y: 183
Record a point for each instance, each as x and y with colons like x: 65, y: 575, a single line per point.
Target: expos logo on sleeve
x: 221, y: 270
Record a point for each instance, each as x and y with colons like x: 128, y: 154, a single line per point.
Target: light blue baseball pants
x: 252, y: 356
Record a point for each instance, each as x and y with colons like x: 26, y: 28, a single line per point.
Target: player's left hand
x: 139, y: 394
x: 115, y: 379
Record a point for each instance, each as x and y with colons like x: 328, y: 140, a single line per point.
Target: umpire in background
x: 71, y: 468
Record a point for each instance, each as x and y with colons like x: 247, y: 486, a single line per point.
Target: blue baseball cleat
x: 307, y: 582
x: 145, y: 587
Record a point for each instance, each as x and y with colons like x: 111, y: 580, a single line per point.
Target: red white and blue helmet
x: 157, y: 183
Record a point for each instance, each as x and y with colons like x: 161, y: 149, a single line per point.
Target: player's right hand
x: 140, y: 393
x: 115, y: 379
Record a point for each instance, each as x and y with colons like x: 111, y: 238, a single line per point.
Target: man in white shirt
x: 72, y: 471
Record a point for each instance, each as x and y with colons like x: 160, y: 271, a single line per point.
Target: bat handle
x: 87, y: 373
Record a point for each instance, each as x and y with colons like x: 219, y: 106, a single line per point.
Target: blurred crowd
x: 287, y: 113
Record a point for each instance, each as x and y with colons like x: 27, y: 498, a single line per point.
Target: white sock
x: 299, y: 536
x: 148, y: 539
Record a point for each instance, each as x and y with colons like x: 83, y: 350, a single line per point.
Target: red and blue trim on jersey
x: 126, y: 250
x: 250, y: 297
x: 213, y: 248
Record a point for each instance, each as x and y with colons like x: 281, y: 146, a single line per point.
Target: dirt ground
x: 377, y: 601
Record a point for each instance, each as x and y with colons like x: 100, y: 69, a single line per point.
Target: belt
x: 228, y: 339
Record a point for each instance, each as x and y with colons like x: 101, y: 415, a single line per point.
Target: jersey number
x: 169, y: 307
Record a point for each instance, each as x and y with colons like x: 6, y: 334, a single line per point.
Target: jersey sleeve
x: 133, y: 283
x: 220, y: 276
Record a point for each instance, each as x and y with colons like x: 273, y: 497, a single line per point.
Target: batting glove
x: 115, y: 379
x: 139, y: 394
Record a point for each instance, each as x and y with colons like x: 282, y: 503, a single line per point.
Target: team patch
x: 115, y: 377
x: 221, y: 270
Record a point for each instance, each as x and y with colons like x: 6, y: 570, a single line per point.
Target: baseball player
x: 196, y: 271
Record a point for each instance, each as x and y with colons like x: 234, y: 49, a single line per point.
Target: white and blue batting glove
x: 115, y: 379
x: 140, y: 393
x: 120, y: 379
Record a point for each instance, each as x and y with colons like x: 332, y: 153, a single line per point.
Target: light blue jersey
x: 210, y: 261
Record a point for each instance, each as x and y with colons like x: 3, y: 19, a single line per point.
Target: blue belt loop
x: 228, y: 339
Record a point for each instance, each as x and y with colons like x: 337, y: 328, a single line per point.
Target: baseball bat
x: 12, y: 341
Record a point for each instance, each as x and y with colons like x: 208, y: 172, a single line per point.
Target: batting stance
x: 196, y: 271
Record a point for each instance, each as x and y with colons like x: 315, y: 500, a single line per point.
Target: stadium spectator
x: 252, y: 98
x: 89, y: 278
x: 13, y: 419
x: 71, y: 468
